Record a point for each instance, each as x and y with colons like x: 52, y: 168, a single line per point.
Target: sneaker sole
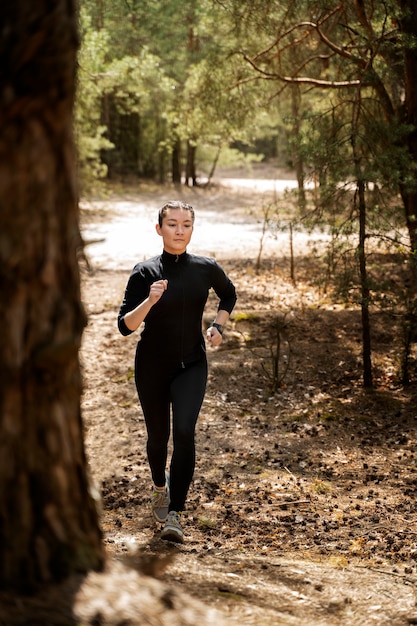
x: 172, y: 535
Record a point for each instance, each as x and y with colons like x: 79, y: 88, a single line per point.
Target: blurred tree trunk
x: 361, y: 208
x: 190, y: 169
x: 297, y: 158
x: 365, y: 291
x: 176, y: 163
x: 48, y: 519
x: 408, y: 26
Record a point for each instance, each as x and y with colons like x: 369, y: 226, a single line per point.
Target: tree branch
x: 324, y: 84
x: 368, y: 78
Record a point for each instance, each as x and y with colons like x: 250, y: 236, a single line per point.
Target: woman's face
x: 176, y: 230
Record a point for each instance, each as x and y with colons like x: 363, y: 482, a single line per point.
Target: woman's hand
x: 213, y: 336
x: 134, y: 318
x: 157, y: 290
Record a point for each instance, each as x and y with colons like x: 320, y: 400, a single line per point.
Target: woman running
x: 168, y: 293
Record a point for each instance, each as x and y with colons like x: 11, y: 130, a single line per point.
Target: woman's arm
x: 214, y: 335
x: 226, y: 292
x: 134, y: 318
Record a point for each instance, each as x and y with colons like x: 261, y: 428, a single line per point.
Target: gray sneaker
x: 172, y: 530
x: 160, y: 503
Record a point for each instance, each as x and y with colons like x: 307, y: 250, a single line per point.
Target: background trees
x: 166, y: 73
x: 357, y: 143
x: 163, y: 77
x: 362, y: 54
x: 329, y: 87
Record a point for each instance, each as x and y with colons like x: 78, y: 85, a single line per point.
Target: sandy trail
x: 130, y: 235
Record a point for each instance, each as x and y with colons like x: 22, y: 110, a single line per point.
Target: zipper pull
x: 176, y: 260
x: 182, y: 365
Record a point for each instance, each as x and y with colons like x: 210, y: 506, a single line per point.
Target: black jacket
x: 173, y: 326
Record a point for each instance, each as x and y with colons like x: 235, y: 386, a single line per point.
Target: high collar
x: 169, y: 258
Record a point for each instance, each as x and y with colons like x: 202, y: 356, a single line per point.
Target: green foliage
x: 132, y: 85
x: 155, y: 73
x: 326, y: 85
x: 89, y: 128
x: 351, y: 119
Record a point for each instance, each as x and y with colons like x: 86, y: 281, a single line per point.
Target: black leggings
x: 159, y: 389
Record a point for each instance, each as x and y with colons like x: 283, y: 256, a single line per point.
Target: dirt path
x: 302, y: 510
x: 229, y: 223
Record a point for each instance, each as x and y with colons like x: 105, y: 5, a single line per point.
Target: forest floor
x: 302, y: 508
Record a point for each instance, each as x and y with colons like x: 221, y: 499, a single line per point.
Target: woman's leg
x: 154, y: 397
x: 187, y: 393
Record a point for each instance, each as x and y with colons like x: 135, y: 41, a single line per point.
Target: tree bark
x: 190, y: 170
x: 408, y: 26
x: 365, y: 292
x: 48, y: 519
x: 297, y: 158
x: 176, y: 163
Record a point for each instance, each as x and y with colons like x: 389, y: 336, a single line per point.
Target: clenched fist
x: 156, y: 291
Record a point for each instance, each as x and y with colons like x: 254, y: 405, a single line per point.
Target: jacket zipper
x: 182, y: 332
x: 182, y: 318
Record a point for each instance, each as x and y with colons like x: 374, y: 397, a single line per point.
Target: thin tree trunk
x: 190, y: 172
x: 176, y: 163
x: 363, y: 270
x: 297, y: 158
x: 365, y: 293
x: 214, y: 165
x: 162, y: 153
x: 48, y: 519
x: 292, y: 262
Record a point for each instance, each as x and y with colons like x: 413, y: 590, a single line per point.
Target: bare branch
x: 324, y: 84
x: 311, y: 25
x: 340, y: 51
x: 290, y: 45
